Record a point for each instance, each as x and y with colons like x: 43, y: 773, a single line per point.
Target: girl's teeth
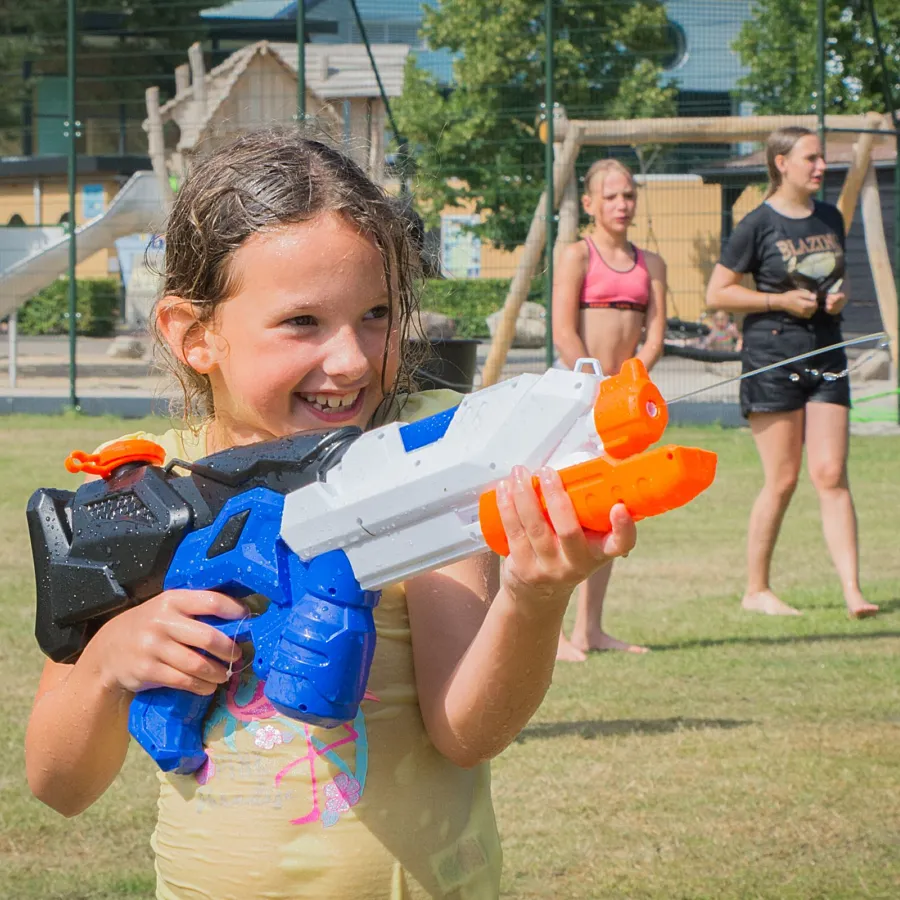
x: 331, y: 401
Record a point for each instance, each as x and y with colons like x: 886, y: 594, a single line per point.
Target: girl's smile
x: 334, y: 408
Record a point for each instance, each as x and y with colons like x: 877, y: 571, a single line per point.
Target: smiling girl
x: 290, y: 287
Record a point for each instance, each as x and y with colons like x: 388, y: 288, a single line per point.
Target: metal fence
x: 102, y: 113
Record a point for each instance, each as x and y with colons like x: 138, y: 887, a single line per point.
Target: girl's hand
x: 800, y: 303
x: 547, y: 562
x: 156, y: 644
x: 835, y: 302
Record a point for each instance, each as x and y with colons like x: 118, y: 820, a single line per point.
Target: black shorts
x: 819, y: 379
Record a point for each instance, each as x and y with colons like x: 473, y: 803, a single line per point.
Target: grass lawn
x: 744, y: 757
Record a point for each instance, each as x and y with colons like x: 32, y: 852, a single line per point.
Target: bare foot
x: 766, y: 602
x: 600, y: 641
x: 858, y: 608
x: 566, y: 651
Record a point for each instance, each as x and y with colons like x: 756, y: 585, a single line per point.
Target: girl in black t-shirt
x: 793, y: 246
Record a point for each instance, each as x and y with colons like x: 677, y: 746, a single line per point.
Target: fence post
x: 549, y: 245
x: 301, y: 60
x: 72, y: 133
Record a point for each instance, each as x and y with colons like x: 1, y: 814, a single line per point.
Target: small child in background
x: 723, y: 334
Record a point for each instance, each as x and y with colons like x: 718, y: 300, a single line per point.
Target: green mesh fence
x: 440, y: 100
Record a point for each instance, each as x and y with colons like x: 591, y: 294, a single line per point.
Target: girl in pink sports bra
x: 609, y: 303
x: 608, y: 288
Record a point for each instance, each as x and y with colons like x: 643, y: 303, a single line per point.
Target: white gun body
x: 404, y: 501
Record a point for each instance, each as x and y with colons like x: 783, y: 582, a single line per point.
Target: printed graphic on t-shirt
x: 812, y: 260
x: 344, y: 755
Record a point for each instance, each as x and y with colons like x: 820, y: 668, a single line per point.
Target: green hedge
x: 470, y: 301
x: 97, y: 302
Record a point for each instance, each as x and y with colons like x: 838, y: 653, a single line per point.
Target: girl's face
x: 804, y: 167
x: 611, y: 201
x: 299, y: 346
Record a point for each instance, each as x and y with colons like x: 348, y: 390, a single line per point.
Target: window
x: 387, y: 33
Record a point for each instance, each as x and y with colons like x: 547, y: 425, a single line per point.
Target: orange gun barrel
x: 648, y: 484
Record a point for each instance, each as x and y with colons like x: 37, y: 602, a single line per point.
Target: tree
x: 777, y: 44
x: 476, y: 140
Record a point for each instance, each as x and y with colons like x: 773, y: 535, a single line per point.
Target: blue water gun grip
x: 313, y: 645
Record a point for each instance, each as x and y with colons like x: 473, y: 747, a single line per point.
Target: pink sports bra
x: 606, y: 288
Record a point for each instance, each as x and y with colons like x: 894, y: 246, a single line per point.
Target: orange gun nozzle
x: 117, y: 454
x: 649, y: 484
x: 629, y: 413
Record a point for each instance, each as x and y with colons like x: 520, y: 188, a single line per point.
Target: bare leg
x: 587, y: 632
x: 779, y: 440
x: 566, y: 651
x: 827, y: 441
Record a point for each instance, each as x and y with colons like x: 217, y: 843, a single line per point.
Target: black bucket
x: 451, y: 366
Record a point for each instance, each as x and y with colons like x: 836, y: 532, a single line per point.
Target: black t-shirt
x: 785, y: 254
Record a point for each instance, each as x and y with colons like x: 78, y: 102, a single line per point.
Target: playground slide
x: 138, y: 207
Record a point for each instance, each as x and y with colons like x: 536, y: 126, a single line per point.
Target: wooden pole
x: 707, y: 130
x: 534, y: 246
x: 198, y: 76
x: 859, y: 165
x: 879, y: 259
x: 568, y: 219
x: 182, y: 78
x: 156, y: 148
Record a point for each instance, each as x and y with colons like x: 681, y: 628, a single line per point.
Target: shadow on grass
x: 620, y: 727
x: 772, y: 641
x: 889, y: 606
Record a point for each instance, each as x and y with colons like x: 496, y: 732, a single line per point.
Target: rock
x: 124, y: 346
x: 436, y: 326
x: 531, y: 327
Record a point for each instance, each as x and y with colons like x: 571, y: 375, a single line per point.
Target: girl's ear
x: 586, y: 204
x: 191, y: 341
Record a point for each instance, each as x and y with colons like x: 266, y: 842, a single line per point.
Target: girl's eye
x: 302, y: 321
x: 378, y: 312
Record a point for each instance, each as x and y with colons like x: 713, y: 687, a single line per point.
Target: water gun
x: 319, y: 523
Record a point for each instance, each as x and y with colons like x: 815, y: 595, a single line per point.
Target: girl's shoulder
x: 830, y: 215
x: 762, y: 215
x: 653, y: 262
x: 178, y: 443
x: 578, y: 253
x: 422, y: 404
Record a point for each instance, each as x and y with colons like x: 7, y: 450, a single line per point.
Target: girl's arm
x: 725, y: 291
x: 655, y: 328
x: 77, y: 734
x: 567, y: 284
x: 483, y: 666
x: 837, y: 299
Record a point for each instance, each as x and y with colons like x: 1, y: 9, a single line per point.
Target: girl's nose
x: 345, y: 358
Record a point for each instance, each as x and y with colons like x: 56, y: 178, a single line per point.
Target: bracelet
x: 768, y: 304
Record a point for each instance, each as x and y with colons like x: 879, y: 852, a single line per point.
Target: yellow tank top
x: 366, y: 811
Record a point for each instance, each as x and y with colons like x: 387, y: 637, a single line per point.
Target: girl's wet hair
x: 260, y: 181
x: 780, y: 143
x: 602, y: 167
